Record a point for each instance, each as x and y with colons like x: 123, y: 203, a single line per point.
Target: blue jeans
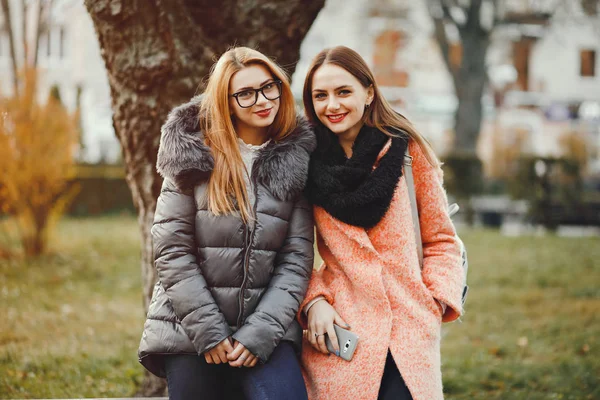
x: 190, y: 377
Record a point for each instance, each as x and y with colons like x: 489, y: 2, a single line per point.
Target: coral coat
x: 374, y: 281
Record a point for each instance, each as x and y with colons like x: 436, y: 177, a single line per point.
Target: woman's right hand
x: 218, y: 354
x: 321, y: 317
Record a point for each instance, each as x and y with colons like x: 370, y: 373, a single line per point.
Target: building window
x: 587, y: 62
x: 521, y: 57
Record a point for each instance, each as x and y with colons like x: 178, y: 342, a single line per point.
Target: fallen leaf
x: 584, y: 349
x: 496, y: 351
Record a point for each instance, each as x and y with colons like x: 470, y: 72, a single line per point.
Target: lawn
x: 532, y: 325
x: 71, y: 321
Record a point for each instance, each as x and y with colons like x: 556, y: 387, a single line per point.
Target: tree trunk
x: 469, y: 85
x: 156, y: 54
x: 37, y: 243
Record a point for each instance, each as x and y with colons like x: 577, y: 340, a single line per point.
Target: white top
x: 249, y: 153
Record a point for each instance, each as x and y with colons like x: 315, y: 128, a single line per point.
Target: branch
x: 11, y: 39
x: 473, y: 15
x: 497, y: 16
x: 24, y: 32
x: 440, y: 34
x: 446, y: 10
x: 43, y: 12
x: 36, y: 42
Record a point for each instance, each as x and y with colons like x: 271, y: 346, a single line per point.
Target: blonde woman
x: 233, y: 238
x: 371, y: 281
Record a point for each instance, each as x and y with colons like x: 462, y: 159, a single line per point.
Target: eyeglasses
x: 248, y: 97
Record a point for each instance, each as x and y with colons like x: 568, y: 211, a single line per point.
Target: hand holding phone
x: 323, y: 320
x: 347, y: 341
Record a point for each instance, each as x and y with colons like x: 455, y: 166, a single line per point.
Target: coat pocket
x: 431, y: 302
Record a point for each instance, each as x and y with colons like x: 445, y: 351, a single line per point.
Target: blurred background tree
x: 463, y: 31
x: 465, y: 28
x: 156, y: 55
x: 37, y: 147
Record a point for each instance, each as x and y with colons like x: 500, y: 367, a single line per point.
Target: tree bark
x: 156, y: 54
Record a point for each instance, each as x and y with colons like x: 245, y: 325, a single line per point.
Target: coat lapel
x: 356, y: 234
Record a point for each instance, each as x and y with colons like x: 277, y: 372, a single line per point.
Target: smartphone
x: 347, y: 341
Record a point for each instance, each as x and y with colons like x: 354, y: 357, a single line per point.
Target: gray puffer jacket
x: 217, y: 276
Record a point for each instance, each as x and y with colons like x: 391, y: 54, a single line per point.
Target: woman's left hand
x: 241, y: 356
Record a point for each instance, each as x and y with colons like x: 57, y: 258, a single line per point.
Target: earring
x: 367, y: 106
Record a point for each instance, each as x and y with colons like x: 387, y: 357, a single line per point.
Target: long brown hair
x: 226, y: 189
x: 380, y: 113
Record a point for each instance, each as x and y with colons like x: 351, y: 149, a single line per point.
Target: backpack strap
x: 452, y: 209
x: 410, y: 183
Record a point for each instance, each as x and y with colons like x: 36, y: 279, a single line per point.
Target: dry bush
x: 506, y: 151
x: 37, y: 147
x: 575, y: 147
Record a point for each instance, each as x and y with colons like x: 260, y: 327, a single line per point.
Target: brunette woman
x: 371, y: 281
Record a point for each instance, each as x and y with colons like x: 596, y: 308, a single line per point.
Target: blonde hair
x: 226, y: 188
x: 380, y: 113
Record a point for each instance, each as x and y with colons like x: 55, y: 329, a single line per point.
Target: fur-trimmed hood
x: 184, y: 158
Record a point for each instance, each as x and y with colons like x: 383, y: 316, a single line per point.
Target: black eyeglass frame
x: 256, y: 91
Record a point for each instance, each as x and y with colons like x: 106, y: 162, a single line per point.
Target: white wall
x: 340, y: 22
x: 555, y: 61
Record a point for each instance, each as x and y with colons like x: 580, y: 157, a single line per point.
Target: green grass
x: 532, y: 325
x: 71, y: 321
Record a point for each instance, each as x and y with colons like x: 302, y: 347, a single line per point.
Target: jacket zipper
x: 248, y: 244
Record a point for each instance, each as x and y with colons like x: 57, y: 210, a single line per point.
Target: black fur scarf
x: 350, y: 189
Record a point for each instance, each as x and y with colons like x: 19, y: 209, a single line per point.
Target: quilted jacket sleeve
x: 442, y: 263
x: 178, y: 271
x: 276, y: 310
x: 321, y: 284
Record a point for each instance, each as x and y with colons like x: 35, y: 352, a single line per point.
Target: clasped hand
x: 230, y: 352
